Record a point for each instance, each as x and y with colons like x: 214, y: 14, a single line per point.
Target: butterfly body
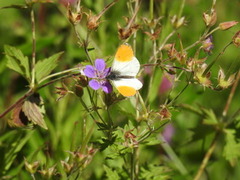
x: 124, y: 70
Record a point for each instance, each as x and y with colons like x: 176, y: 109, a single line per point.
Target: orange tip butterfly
x: 124, y: 70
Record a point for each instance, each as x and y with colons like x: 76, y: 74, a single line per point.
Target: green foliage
x: 17, y: 61
x: 44, y: 67
x: 232, y: 147
x: 111, y: 174
x: 94, y: 135
x: 154, y: 172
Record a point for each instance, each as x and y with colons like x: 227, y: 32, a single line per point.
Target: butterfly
x: 124, y: 70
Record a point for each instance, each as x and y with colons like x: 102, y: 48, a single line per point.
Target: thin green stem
x: 151, y: 6
x: 58, y: 73
x: 215, y: 60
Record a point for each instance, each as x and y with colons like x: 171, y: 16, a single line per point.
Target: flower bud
x: 201, y: 78
x: 165, y: 113
x: 47, y: 173
x: 236, y: 39
x: 176, y: 22
x: 210, y: 19
x: 227, y: 25
x: 222, y: 82
x: 92, y: 22
x: 82, y: 80
x: 78, y: 90
x: 207, y: 44
x: 67, y: 167
x: 32, y: 168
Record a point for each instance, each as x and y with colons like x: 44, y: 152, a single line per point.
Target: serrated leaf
x: 111, y: 174
x: 17, y: 61
x: 44, y: 67
x: 32, y: 110
x: 209, y: 117
x: 231, y: 150
x: 154, y: 172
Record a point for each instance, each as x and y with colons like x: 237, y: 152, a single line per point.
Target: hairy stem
x: 33, y: 49
x: 207, y: 157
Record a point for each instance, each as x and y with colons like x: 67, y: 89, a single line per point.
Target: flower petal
x: 94, y: 84
x: 107, y: 87
x: 90, y: 71
x: 106, y: 72
x: 100, y: 64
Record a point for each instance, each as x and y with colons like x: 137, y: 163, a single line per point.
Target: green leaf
x: 209, y: 117
x: 32, y: 109
x: 111, y: 174
x: 15, y: 147
x: 17, y: 61
x: 44, y: 67
x: 231, y: 150
x: 154, y: 172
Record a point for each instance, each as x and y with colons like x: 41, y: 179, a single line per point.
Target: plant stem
x: 207, y: 157
x: 20, y: 100
x: 30, y: 92
x: 58, y: 73
x: 230, y: 97
x: 33, y: 49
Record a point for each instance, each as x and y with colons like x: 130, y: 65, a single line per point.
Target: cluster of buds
x: 222, y: 82
x: 164, y: 112
x: 211, y: 18
x: 126, y: 32
x: 81, y: 159
x: 173, y: 54
x: 48, y: 173
x: 61, y: 91
x: 75, y: 14
x: 177, y: 22
x: 130, y: 139
x: 93, y: 21
x: 31, y: 167
x: 155, y: 28
x: 202, y: 77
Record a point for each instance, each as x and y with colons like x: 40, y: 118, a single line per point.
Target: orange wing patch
x: 124, y: 53
x: 126, y: 90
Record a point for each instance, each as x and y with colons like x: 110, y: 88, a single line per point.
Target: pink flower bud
x: 227, y: 25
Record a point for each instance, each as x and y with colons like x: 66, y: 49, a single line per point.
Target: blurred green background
x: 66, y: 118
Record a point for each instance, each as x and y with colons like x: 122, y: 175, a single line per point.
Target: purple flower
x: 98, y: 73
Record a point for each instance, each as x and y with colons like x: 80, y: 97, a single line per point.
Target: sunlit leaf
x: 17, y: 61
x: 32, y: 109
x: 44, y: 67
x: 231, y: 149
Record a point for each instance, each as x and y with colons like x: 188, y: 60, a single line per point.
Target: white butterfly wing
x: 128, y: 87
x: 129, y: 68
